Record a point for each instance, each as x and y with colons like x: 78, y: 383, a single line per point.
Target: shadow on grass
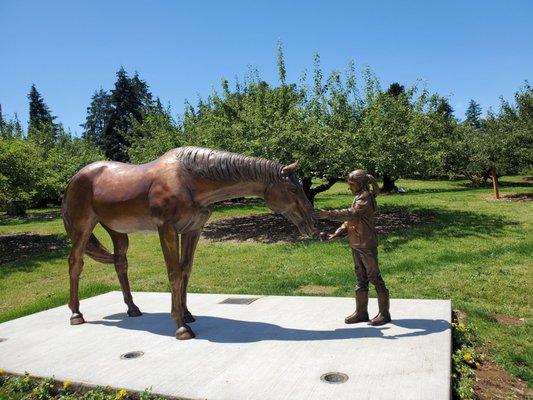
x: 450, y: 224
x: 30, y: 218
x: 26, y: 251
x: 226, y: 330
x: 488, y: 184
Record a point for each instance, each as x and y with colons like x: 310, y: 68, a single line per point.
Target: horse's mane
x: 221, y: 165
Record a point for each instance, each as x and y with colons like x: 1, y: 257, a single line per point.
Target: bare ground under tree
x: 273, y: 228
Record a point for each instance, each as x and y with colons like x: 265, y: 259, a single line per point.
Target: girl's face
x: 355, y: 187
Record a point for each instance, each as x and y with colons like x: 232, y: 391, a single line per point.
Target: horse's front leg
x: 169, y: 244
x: 189, y: 241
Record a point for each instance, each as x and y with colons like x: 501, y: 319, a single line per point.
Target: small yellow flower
x: 121, y: 394
x: 2, y: 371
x: 468, y: 358
x: 67, y: 384
x: 461, y: 326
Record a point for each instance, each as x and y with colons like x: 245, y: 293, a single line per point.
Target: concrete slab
x: 276, y: 347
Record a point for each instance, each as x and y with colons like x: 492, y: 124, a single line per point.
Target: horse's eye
x: 294, y: 190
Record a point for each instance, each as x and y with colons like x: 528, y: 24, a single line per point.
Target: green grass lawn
x: 475, y: 251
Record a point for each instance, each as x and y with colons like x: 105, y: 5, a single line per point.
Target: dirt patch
x: 14, y: 247
x: 316, y: 289
x: 519, y: 197
x: 494, y: 383
x: 273, y: 228
x: 37, y: 216
x: 508, y: 320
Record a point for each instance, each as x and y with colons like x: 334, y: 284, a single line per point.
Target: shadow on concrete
x: 225, y: 330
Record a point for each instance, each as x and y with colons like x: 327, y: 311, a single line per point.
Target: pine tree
x: 130, y: 99
x: 39, y: 111
x: 444, y: 108
x: 473, y: 114
x: 98, y: 113
x: 395, y: 89
x: 41, y: 126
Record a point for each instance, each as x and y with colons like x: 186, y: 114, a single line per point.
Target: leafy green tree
x: 60, y: 163
x: 11, y: 129
x: 386, y: 137
x: 284, y: 122
x: 157, y: 134
x: 20, y: 168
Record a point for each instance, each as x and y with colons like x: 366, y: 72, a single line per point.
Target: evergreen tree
x: 130, y: 99
x: 395, y: 89
x: 473, y: 114
x: 41, y: 126
x: 444, y: 108
x: 97, y: 114
x: 39, y: 112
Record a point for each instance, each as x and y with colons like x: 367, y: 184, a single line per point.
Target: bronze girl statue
x: 358, y: 224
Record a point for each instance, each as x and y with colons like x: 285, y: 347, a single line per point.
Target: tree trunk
x: 312, y: 192
x: 389, y: 184
x: 495, y: 182
x: 16, y: 209
x: 306, y: 184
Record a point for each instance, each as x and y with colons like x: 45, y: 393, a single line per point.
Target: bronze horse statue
x: 173, y: 195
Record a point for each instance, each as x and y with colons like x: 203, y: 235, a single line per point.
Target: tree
x: 41, y: 126
x: 388, y: 141
x: 473, y: 114
x: 97, y: 114
x: 130, y: 98
x: 11, y: 129
x: 395, y: 89
x: 157, y: 134
x: 20, y: 168
x: 60, y: 163
x: 285, y: 123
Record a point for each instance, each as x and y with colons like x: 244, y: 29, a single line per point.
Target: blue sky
x: 69, y: 49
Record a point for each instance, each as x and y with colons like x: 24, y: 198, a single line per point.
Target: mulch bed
x: 519, y: 197
x: 15, y: 247
x: 492, y: 382
x: 274, y: 228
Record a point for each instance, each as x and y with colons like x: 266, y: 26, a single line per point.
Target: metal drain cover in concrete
x: 276, y: 348
x: 239, y: 300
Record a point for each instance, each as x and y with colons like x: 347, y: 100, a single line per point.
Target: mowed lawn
x: 476, y: 251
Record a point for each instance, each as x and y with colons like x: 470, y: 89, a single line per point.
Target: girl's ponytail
x: 374, y: 183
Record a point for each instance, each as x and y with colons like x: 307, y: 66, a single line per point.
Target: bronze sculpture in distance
x: 174, y: 196
x: 358, y: 224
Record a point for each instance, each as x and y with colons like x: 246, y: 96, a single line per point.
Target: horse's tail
x: 94, y: 248
x: 97, y: 251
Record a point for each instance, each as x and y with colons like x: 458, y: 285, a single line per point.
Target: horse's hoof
x: 184, y: 333
x: 76, y: 319
x: 188, y: 318
x: 135, y: 312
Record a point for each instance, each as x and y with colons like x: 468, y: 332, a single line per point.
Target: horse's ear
x: 289, y: 169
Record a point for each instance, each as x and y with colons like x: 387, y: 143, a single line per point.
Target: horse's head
x: 287, y: 197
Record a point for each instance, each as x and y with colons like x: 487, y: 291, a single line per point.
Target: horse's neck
x: 212, y: 192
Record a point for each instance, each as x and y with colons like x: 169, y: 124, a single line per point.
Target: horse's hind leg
x: 79, y: 237
x: 120, y: 247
